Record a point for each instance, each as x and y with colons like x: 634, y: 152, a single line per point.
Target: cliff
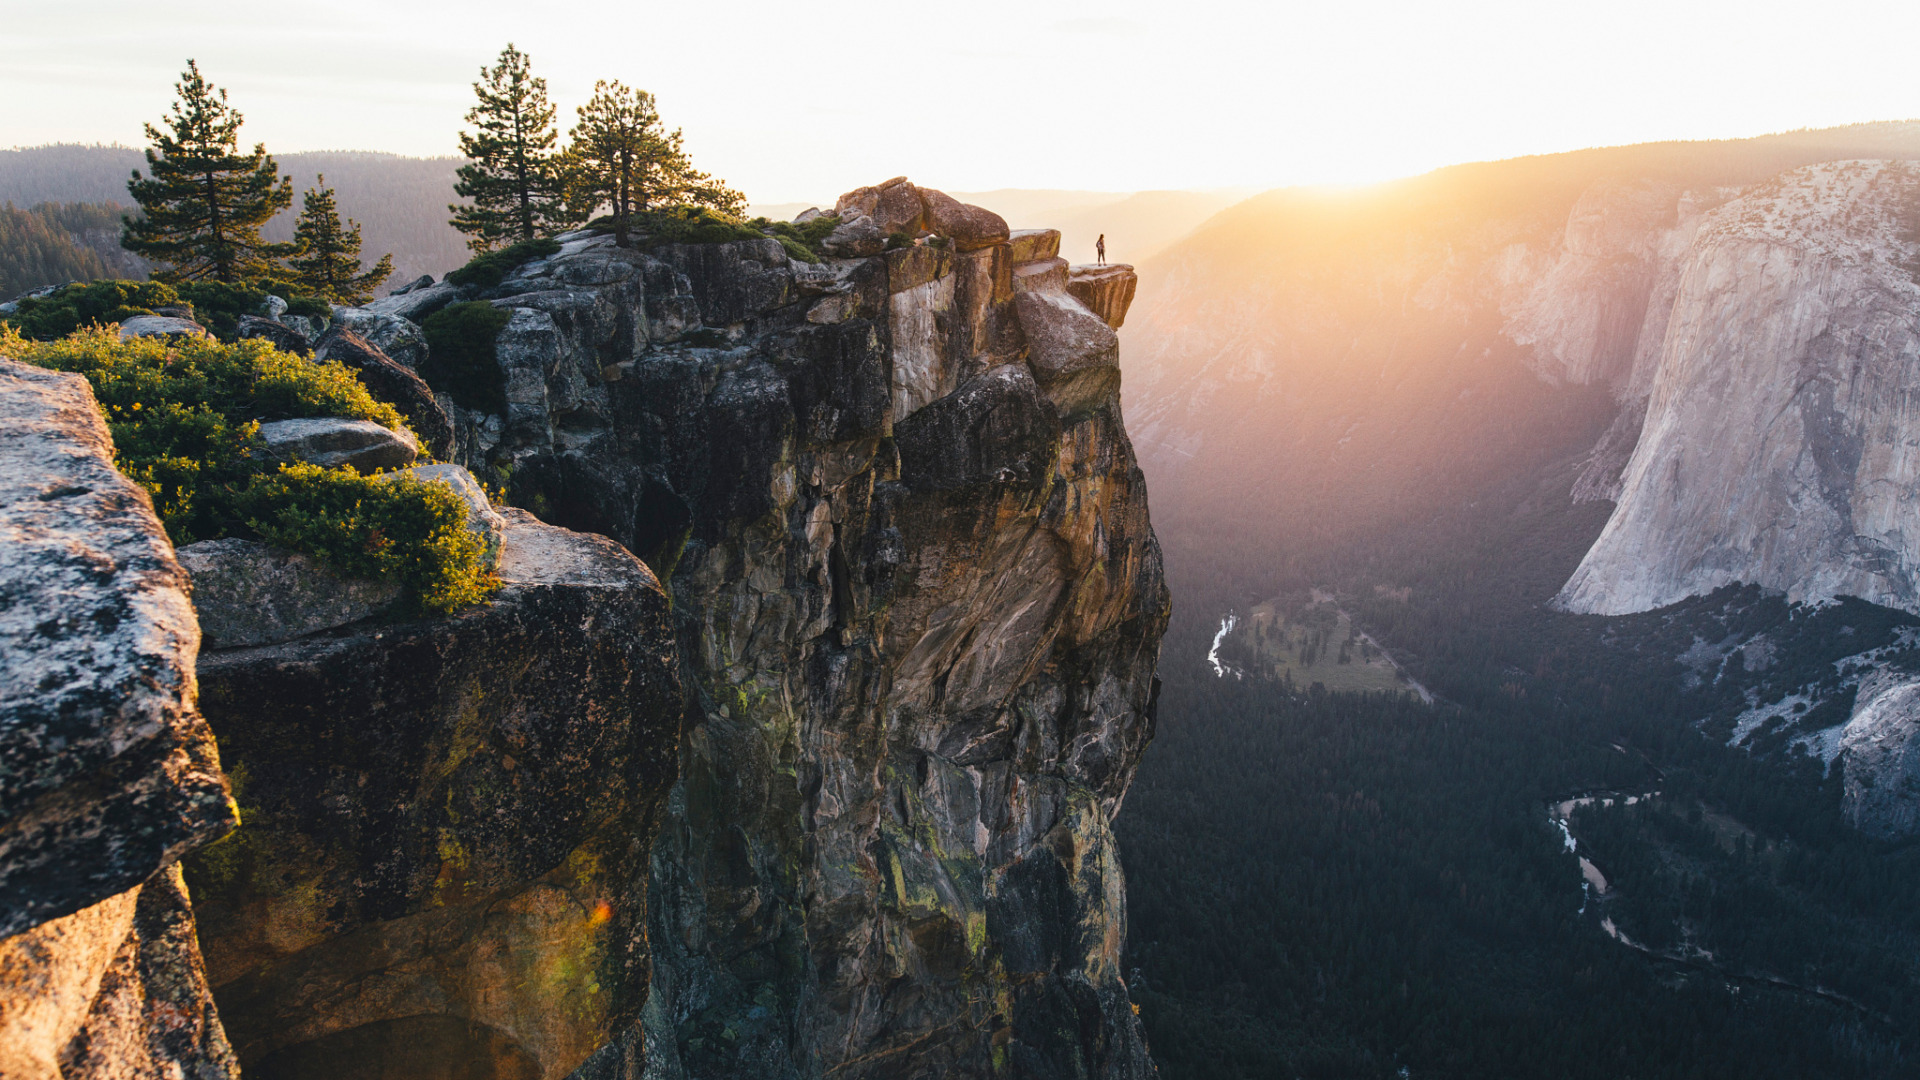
x: 1774, y: 448
x: 918, y: 604
x: 878, y: 687
x: 1380, y: 356
x: 110, y: 773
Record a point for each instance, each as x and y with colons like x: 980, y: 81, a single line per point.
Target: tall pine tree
x: 622, y: 157
x: 513, y: 177
x: 328, y: 263
x: 205, y: 202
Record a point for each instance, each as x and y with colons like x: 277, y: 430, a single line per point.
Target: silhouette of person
x: 1100, y: 249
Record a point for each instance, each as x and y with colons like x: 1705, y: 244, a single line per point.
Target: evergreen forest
x: 1358, y: 884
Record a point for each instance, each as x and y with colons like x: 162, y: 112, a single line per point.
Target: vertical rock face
x: 919, y: 604
x: 1880, y: 755
x: 442, y: 871
x: 107, y: 772
x: 1777, y: 445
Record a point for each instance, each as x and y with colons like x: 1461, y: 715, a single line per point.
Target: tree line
x: 521, y: 185
x: 204, y: 201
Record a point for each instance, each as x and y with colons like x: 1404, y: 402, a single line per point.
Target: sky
x: 800, y: 101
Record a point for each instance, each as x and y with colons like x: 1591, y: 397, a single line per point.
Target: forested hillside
x: 400, y: 202
x: 1332, y: 409
x: 1346, y: 885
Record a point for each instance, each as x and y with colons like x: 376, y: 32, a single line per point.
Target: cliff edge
x: 918, y: 603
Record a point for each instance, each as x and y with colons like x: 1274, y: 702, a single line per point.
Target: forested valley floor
x: 1348, y: 884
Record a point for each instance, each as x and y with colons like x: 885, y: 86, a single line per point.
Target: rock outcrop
x: 918, y: 602
x: 1776, y: 442
x: 443, y: 870
x: 1880, y: 758
x: 108, y: 774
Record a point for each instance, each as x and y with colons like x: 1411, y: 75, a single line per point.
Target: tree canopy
x: 514, y: 178
x: 622, y: 157
x: 204, y: 201
x: 327, y: 265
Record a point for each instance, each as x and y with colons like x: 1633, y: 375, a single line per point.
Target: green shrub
x: 460, y: 354
x: 216, y: 305
x: 490, y: 269
x: 311, y: 307
x: 185, y: 418
x: 48, y: 317
x: 395, y: 527
x: 682, y: 225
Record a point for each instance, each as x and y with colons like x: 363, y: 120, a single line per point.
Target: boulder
x: 116, y: 991
x: 443, y: 871
x: 1106, y: 290
x: 1030, y: 245
x: 275, y: 307
x: 415, y: 285
x: 397, y: 336
x: 306, y: 326
x: 969, y: 227
x: 107, y: 772
x: 894, y: 207
x: 855, y: 237
x: 161, y: 326
x: 1041, y: 275
x: 333, y: 441
x: 807, y: 215
x: 393, y: 383
x: 416, y: 301
x: 1075, y: 355
x: 279, y: 334
x: 249, y: 593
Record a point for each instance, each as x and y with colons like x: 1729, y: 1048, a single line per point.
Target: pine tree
x: 623, y: 158
x: 328, y: 264
x: 205, y: 202
x: 513, y: 177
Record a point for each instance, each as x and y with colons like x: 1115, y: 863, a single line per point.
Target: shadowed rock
x: 447, y: 827
x: 283, y: 337
x: 393, y: 383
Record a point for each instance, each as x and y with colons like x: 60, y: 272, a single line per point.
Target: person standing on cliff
x: 1100, y: 249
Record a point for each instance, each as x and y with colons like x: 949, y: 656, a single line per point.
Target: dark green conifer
x: 622, y: 157
x: 205, y: 202
x: 328, y: 263
x: 512, y: 177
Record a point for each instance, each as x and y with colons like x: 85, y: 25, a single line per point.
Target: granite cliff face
x: 1777, y: 444
x: 918, y: 605
x: 110, y: 773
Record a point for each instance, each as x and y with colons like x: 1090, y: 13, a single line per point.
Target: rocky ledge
x: 108, y: 774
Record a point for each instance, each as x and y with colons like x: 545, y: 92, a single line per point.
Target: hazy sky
x: 795, y: 101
